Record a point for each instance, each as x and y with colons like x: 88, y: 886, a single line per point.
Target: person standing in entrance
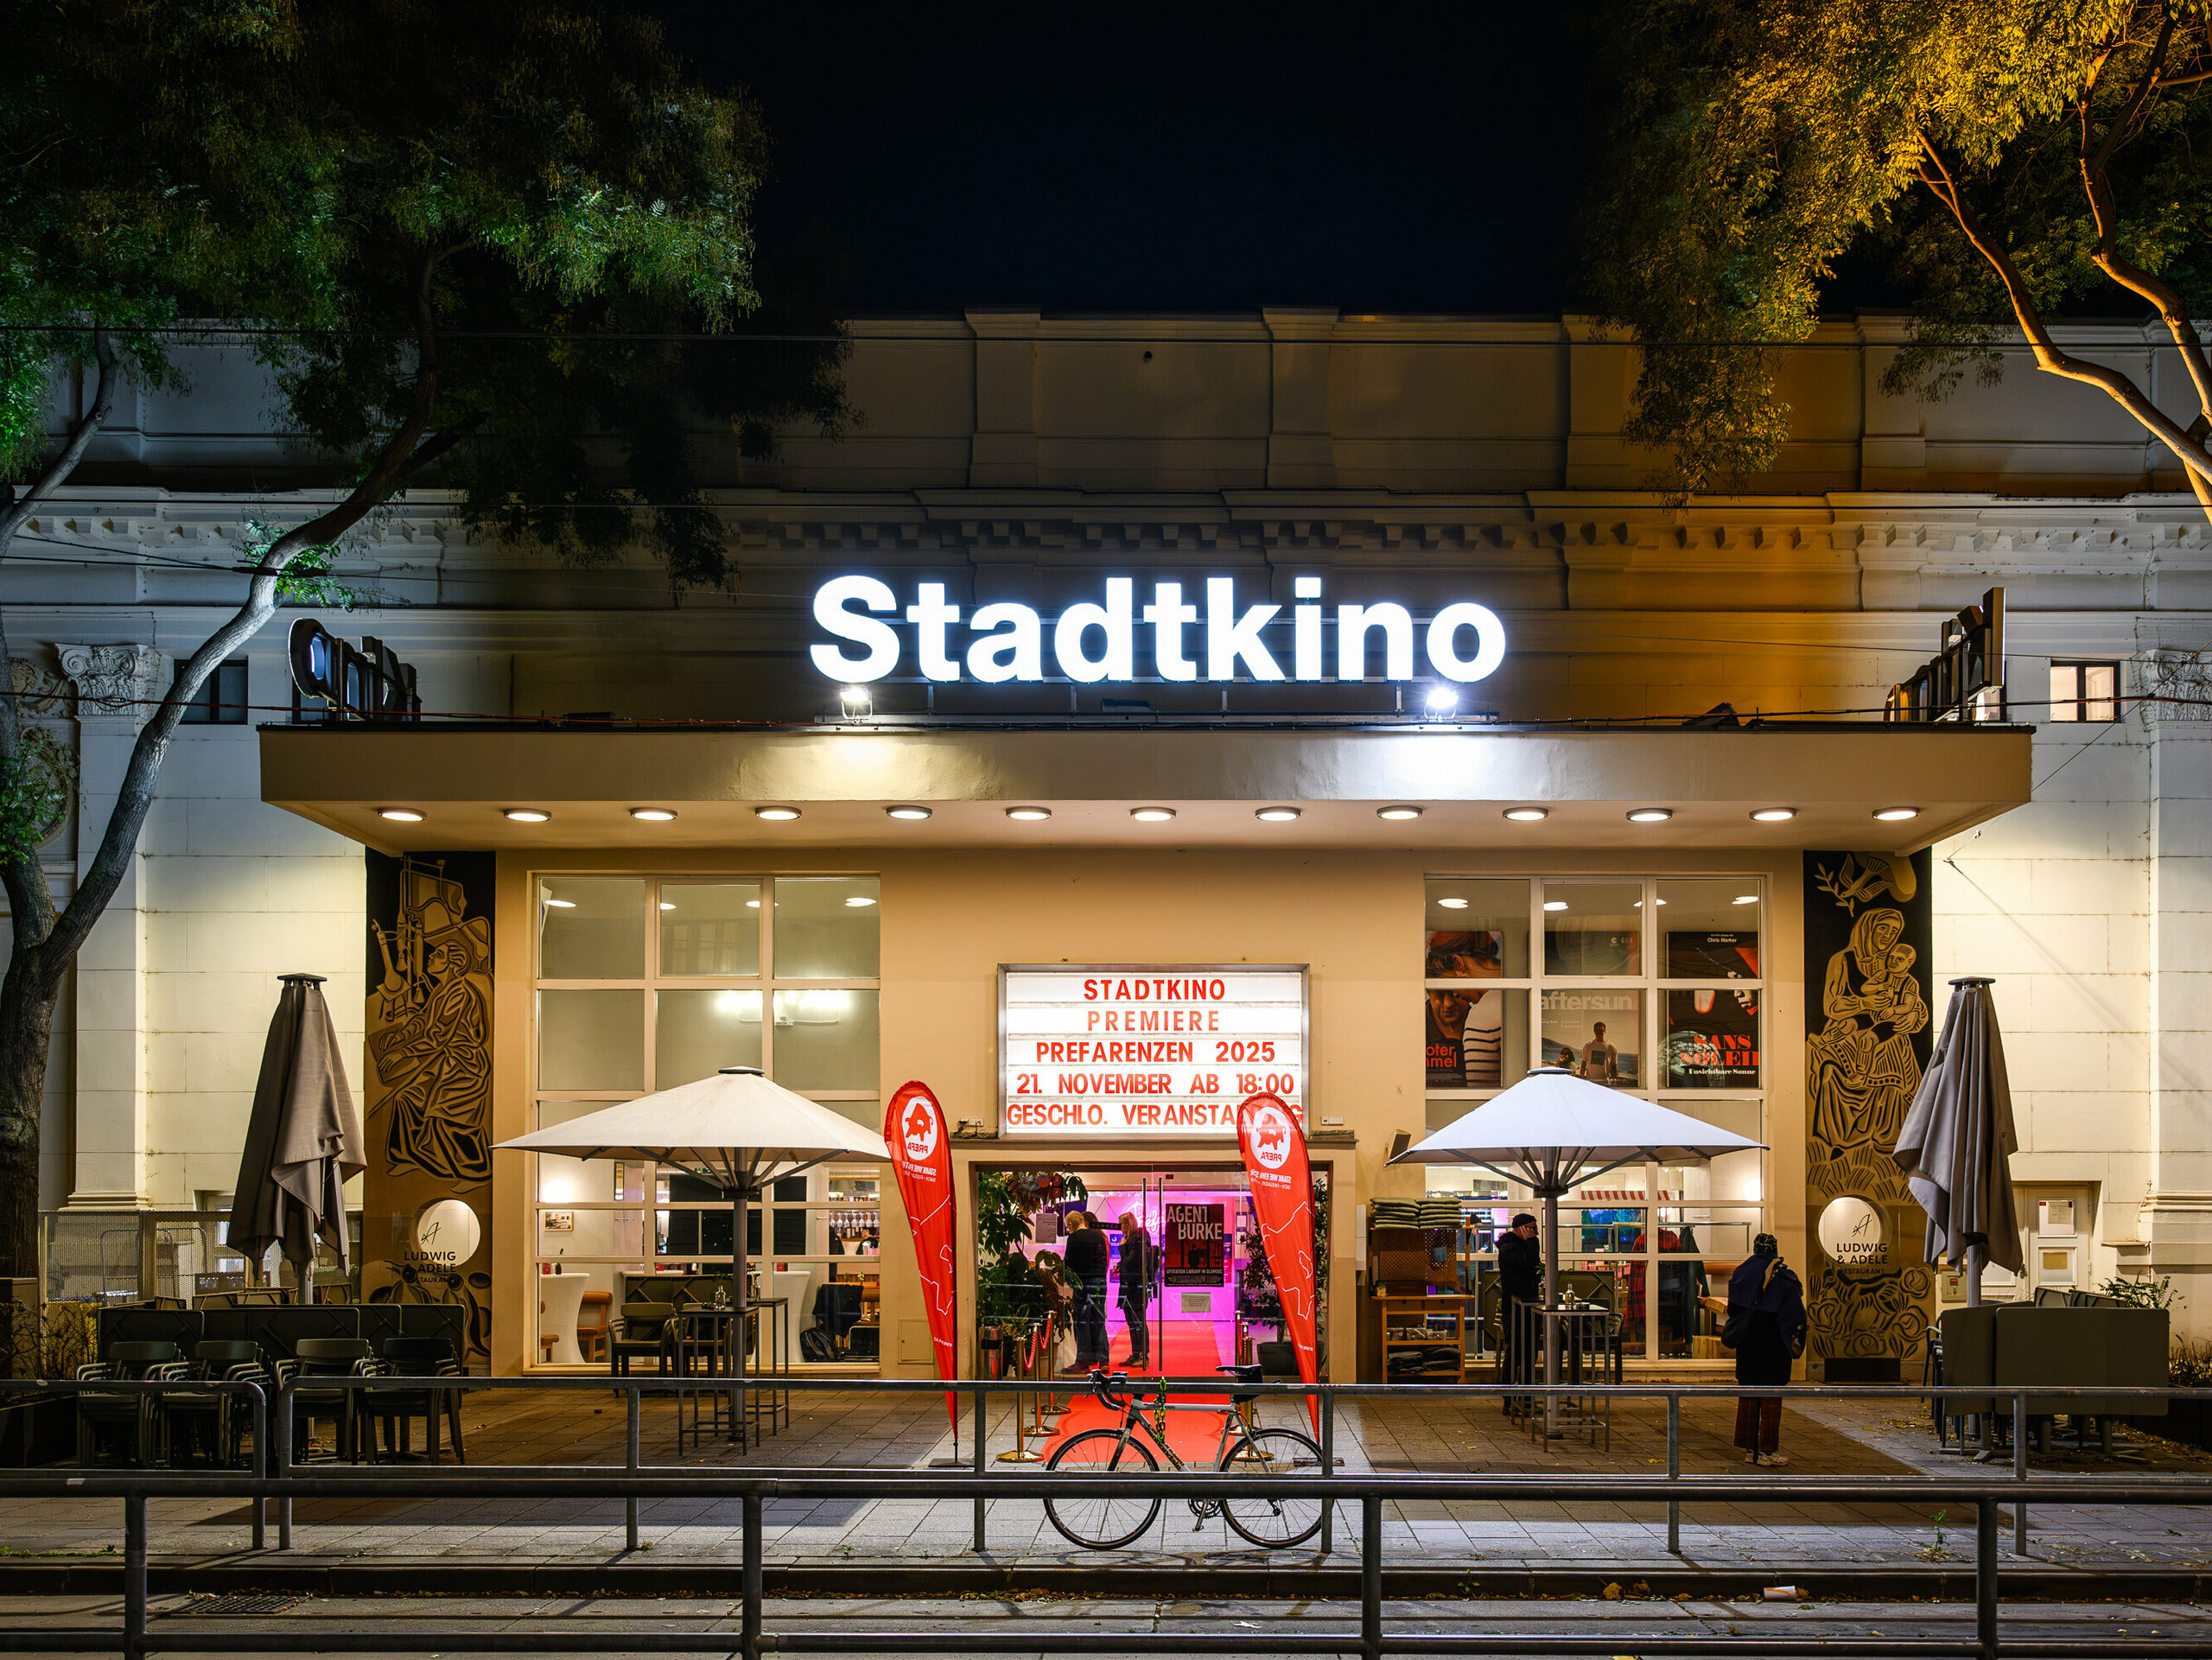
x: 1136, y: 1289
x: 1085, y: 1255
x: 1521, y: 1279
x: 1766, y: 1317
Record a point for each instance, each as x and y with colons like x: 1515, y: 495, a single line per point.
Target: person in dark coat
x: 1136, y: 1289
x: 1763, y: 1289
x: 1521, y: 1279
x: 1085, y: 1254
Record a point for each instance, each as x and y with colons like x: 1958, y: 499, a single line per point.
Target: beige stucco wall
x: 949, y: 919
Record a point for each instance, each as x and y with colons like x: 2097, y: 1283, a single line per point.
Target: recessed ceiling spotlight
x: 1887, y: 815
x: 401, y: 814
x: 1029, y: 814
x: 1399, y: 814
x: 1745, y: 898
x: 653, y: 815
x: 1650, y: 815
x: 1453, y: 903
x: 1152, y: 814
x: 525, y: 815
x: 776, y: 815
x: 908, y: 812
x: 857, y: 901
x: 1528, y: 815
x: 1276, y: 815
x: 1775, y: 815
x: 1554, y: 905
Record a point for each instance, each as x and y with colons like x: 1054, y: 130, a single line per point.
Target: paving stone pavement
x: 1825, y: 1437
x: 1733, y: 1626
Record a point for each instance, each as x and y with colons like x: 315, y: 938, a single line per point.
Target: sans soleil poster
x: 1151, y: 1050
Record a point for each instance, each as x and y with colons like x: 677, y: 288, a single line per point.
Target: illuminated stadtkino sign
x: 1188, y: 640
x: 1147, y: 1051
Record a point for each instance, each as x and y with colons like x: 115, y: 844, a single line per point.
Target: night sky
x: 1413, y: 158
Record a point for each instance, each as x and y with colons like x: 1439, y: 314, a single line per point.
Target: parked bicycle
x: 1103, y: 1523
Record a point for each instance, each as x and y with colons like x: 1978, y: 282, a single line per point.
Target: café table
x: 704, y: 1359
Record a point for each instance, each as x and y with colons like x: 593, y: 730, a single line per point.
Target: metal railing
x: 275, y: 1475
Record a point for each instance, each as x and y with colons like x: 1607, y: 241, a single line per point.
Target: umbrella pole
x: 739, y: 1206
x: 1975, y: 1255
x: 1551, y: 1301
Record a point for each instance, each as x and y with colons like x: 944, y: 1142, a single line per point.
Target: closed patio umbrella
x: 1958, y: 1141
x: 1554, y: 1131
x: 303, y: 1141
x: 736, y: 1130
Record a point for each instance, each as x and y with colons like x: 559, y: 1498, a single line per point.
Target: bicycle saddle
x: 1242, y: 1375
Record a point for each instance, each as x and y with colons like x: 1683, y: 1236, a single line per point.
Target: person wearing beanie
x: 1766, y: 1318
x: 1521, y: 1279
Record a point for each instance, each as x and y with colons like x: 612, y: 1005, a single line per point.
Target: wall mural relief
x: 1867, y: 948
x: 428, y: 1081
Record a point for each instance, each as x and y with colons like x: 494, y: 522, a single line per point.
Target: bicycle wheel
x: 1274, y: 1524
x: 1102, y: 1524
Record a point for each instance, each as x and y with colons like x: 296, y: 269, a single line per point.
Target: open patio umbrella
x: 303, y: 1141
x: 1553, y: 1132
x: 1957, y: 1144
x: 736, y: 1130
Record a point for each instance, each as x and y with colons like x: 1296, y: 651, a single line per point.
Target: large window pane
x: 1710, y: 930
x: 591, y: 927
x: 699, y: 1033
x: 710, y: 928
x: 826, y: 1040
x: 591, y: 1040
x: 1477, y: 930
x: 1597, y: 1032
x: 1711, y: 1039
x: 826, y: 928
x: 1593, y: 927
x: 1477, y: 1040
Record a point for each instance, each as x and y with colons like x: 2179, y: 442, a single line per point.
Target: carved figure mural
x: 1867, y: 1033
x: 428, y: 1081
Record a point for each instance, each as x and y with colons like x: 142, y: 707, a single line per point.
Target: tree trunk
x: 26, y: 1037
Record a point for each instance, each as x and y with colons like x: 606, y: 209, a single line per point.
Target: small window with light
x: 2084, y: 691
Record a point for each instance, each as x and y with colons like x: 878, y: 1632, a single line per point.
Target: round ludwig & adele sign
x: 1152, y: 1051
x: 917, y: 1130
x: 1852, y: 1232
x: 448, y: 1232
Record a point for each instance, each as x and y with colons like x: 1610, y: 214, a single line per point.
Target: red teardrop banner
x: 1273, y: 1142
x: 921, y: 1155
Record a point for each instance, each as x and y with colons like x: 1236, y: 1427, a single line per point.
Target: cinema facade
x: 1132, y: 714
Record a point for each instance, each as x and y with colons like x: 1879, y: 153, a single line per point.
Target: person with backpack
x: 1766, y: 1328
x: 1136, y: 1289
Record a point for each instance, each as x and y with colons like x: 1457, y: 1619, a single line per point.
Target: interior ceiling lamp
x: 1893, y: 815
x: 1029, y: 814
x: 1775, y: 815
x: 776, y: 815
x: 1152, y: 814
x: 1452, y: 902
x: 1528, y: 815
x: 914, y: 813
x: 525, y: 815
x: 653, y: 815
x: 1650, y: 815
x: 401, y: 814
x: 1276, y: 815
x: 1398, y: 814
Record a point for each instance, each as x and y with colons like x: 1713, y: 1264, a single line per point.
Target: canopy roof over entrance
x: 842, y: 779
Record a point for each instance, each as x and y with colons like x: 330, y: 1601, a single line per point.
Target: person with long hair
x: 1135, y: 1296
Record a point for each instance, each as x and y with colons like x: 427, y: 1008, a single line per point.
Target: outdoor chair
x: 131, y: 1412
x: 642, y: 1331
x: 329, y: 1356
x: 397, y: 1410
x: 214, y: 1421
